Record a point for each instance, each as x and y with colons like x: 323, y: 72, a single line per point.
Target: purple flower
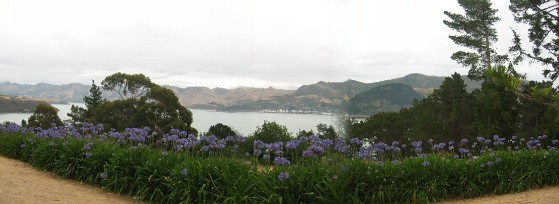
x: 184, y: 172
x: 88, y: 154
x: 422, y: 155
x: 103, y: 175
x: 355, y: 141
x: 22, y: 145
x: 426, y: 163
x: 480, y: 139
x: 464, y: 141
x: 554, y: 142
x: 496, y: 137
x: 292, y: 144
x: 282, y: 176
x: 257, y: 152
x: 489, y: 163
x: 491, y: 154
x: 281, y: 161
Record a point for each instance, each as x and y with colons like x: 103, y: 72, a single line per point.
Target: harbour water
x: 244, y: 123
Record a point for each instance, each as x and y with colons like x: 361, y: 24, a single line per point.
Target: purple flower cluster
x: 283, y: 176
x: 281, y: 161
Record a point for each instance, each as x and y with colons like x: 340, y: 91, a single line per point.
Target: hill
x: 318, y: 97
x: 13, y: 104
x: 386, y: 97
x: 71, y: 93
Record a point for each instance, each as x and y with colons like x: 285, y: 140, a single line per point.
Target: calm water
x: 245, y: 122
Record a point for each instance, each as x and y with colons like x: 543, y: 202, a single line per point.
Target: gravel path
x: 21, y: 183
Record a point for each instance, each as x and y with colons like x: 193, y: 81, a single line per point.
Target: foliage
x: 221, y: 131
x: 400, y: 172
x: 149, y: 105
x: 135, y: 85
x: 326, y: 131
x: 95, y: 98
x: 539, y: 115
x: 478, y: 34
x: 542, y: 17
x: 384, y: 126
x: 44, y: 116
x: 270, y: 132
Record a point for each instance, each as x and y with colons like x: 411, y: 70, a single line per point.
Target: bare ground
x: 21, y: 183
x: 535, y: 196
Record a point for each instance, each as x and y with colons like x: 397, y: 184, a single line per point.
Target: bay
x: 244, y: 123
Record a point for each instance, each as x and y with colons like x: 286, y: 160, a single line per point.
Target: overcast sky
x: 223, y: 43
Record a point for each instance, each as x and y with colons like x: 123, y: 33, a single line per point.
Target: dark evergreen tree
x: 95, y: 97
x: 446, y: 114
x: 537, y: 115
x: 478, y: 34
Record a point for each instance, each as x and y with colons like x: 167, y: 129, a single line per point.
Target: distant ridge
x: 319, y: 97
x: 13, y: 104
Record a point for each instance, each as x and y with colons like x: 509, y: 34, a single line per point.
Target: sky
x: 223, y: 43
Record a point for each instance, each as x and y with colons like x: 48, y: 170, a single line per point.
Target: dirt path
x: 21, y: 183
x: 536, y: 196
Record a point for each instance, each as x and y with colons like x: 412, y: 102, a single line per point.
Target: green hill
x: 384, y: 98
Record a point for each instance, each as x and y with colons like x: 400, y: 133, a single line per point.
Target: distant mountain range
x: 333, y: 97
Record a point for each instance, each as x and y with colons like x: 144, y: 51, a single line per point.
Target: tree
x: 221, y: 131
x: 79, y: 114
x: 453, y: 104
x: 95, y: 98
x: 383, y: 126
x: 304, y: 133
x: 477, y: 34
x: 543, y: 18
x: 326, y: 131
x: 150, y: 105
x: 135, y: 85
x: 537, y: 116
x: 44, y: 116
x: 271, y: 132
x: 496, y: 103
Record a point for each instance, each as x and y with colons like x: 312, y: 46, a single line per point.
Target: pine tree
x: 477, y: 34
x: 543, y: 18
x: 94, y: 98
